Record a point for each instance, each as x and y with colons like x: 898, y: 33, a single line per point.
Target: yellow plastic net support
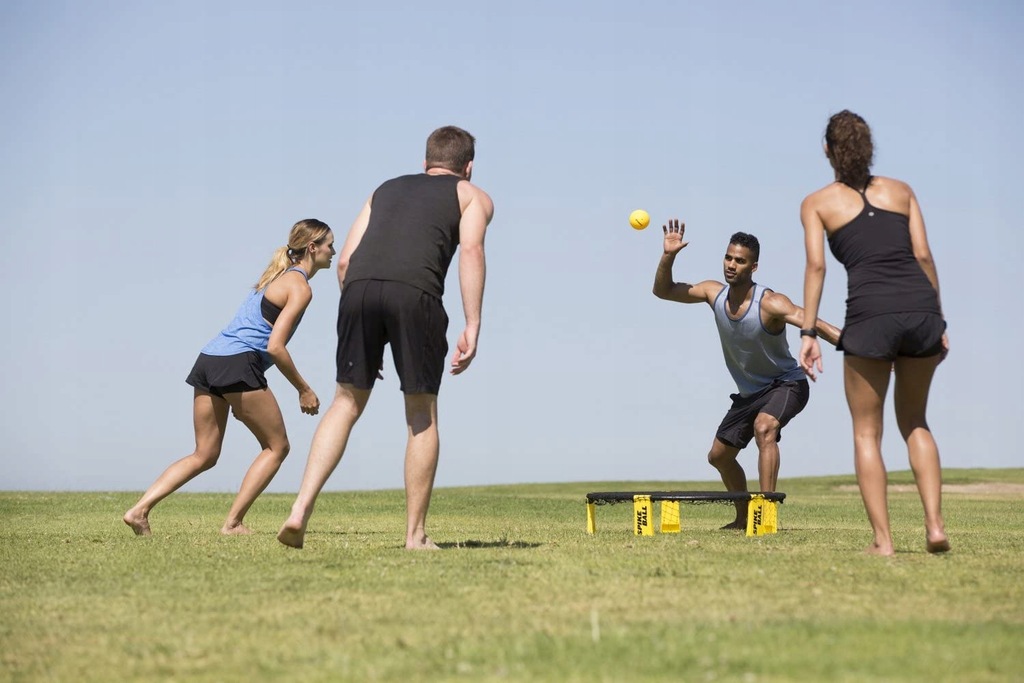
x: 762, y: 516
x: 642, y: 516
x: 670, y: 516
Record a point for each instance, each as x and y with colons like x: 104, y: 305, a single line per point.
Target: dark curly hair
x: 743, y: 239
x: 850, y: 148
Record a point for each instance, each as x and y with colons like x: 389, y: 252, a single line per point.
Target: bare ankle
x: 420, y: 543
x: 235, y: 529
x: 139, y: 522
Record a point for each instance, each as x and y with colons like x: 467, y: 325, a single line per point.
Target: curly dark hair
x: 850, y: 148
x: 747, y: 240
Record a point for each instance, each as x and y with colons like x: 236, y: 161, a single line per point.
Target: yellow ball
x: 639, y: 219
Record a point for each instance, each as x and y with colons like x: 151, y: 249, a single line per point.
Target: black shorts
x: 884, y: 337
x: 781, y: 400
x: 375, y: 313
x: 219, y: 375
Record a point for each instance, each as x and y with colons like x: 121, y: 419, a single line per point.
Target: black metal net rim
x: 613, y: 497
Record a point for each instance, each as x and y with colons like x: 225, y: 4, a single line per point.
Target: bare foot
x: 424, y: 544
x: 138, y: 523
x: 882, y: 550
x: 292, y: 534
x: 235, y: 529
x: 940, y: 544
x: 737, y: 524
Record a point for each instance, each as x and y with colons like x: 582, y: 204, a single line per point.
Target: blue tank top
x: 249, y: 329
x: 755, y: 357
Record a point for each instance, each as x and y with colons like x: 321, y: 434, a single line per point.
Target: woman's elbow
x: 815, y: 269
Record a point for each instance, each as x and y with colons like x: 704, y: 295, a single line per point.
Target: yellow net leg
x: 670, y: 516
x: 762, y: 516
x: 591, y: 519
x: 642, y: 522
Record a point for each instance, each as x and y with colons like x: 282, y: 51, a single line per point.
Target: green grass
x: 520, y: 593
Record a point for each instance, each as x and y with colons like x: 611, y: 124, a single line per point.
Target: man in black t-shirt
x: 392, y: 270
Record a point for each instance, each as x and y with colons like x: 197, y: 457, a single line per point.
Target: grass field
x: 519, y: 593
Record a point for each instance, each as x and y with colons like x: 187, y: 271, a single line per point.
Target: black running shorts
x: 219, y: 375
x: 781, y: 400
x: 375, y: 313
x: 886, y: 336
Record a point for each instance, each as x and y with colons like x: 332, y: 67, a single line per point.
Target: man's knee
x: 766, y: 429
x: 349, y: 401
x: 721, y: 454
x: 420, y: 411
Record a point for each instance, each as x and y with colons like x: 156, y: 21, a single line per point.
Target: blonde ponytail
x: 302, y: 234
x: 279, y: 263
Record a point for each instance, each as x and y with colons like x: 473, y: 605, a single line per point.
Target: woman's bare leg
x: 913, y: 381
x: 210, y: 417
x: 867, y: 381
x: 259, y: 411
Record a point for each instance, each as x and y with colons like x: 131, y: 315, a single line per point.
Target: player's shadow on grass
x: 500, y: 543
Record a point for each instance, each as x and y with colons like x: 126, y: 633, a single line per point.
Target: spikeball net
x: 762, y: 508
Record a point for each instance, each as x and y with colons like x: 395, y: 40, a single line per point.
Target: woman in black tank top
x: 894, y: 323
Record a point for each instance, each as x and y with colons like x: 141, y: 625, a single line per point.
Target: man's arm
x: 683, y: 292
x: 355, y: 235
x: 779, y: 307
x: 476, y: 216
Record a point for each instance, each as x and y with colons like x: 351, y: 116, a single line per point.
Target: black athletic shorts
x: 884, y: 337
x: 219, y: 375
x: 375, y: 313
x: 781, y: 400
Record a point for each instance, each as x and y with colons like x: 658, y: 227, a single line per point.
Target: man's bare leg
x: 867, y: 381
x: 259, y: 411
x: 325, y: 453
x: 766, y: 435
x: 723, y: 458
x: 913, y: 381
x: 421, y: 455
x: 209, y: 418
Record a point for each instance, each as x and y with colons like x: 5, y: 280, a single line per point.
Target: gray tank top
x: 755, y: 357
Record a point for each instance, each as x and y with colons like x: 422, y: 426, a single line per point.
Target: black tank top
x: 883, y: 276
x: 412, y: 234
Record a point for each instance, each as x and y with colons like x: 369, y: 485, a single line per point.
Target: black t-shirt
x: 412, y: 234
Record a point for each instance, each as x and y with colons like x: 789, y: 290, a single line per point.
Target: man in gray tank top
x: 751, y: 322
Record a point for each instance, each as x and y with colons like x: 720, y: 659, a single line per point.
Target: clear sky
x: 153, y: 156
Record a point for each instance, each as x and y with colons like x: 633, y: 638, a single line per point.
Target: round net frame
x: 613, y: 497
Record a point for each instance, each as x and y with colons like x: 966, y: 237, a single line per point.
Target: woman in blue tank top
x: 229, y: 375
x: 894, y: 323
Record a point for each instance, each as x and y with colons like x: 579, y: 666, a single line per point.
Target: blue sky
x: 154, y: 155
